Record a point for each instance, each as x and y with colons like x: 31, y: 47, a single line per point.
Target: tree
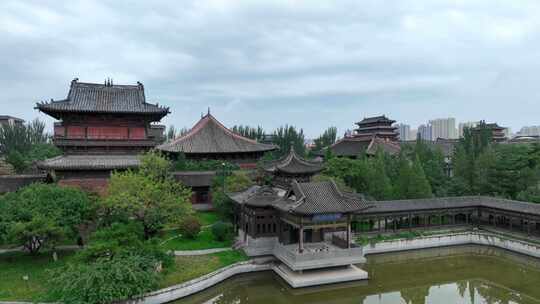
x: 418, y: 184
x: 151, y: 202
x: 228, y: 182
x: 249, y: 132
x: 40, y: 215
x: 379, y: 184
x: 104, y: 281
x: 326, y: 139
x: 149, y: 195
x: 412, y: 182
x: 21, y: 145
x: 286, y: 135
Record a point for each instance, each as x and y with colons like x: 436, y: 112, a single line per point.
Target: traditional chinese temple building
x: 372, y: 134
x: 292, y: 167
x: 306, y: 225
x: 497, y: 132
x: 209, y: 139
x: 378, y: 126
x: 101, y: 128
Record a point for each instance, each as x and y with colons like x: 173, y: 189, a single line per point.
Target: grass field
x: 13, y: 266
x: 190, y: 267
x: 205, y: 239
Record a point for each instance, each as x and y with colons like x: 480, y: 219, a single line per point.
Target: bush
x: 190, y: 227
x: 104, y: 281
x: 222, y: 231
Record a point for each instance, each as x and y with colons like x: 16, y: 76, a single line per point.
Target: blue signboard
x: 332, y: 217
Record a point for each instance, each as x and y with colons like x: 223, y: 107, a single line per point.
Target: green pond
x: 462, y: 274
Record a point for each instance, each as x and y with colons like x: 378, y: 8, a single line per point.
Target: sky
x: 312, y: 64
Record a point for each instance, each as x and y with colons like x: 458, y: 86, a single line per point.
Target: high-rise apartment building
x: 424, y: 131
x: 529, y: 131
x: 404, y: 131
x: 443, y: 128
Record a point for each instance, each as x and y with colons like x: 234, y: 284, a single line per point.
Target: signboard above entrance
x: 331, y: 217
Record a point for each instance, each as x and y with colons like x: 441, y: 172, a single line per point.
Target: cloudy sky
x: 313, y: 64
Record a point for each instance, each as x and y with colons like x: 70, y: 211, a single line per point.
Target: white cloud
x: 310, y: 63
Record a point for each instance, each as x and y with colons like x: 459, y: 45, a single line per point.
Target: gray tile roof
x: 352, y: 146
x: 90, y: 162
x: 195, y: 178
x: 376, y: 119
x: 294, y: 164
x: 452, y: 203
x: 103, y: 98
x: 303, y: 198
x: 322, y: 198
x: 210, y: 136
x: 259, y: 196
x: 386, y: 146
x: 7, y: 117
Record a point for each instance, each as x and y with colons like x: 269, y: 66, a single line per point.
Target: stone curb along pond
x: 451, y: 239
x: 479, y: 237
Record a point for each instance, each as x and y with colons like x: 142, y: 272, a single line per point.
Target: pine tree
x: 401, y: 185
x: 418, y: 184
x: 379, y: 185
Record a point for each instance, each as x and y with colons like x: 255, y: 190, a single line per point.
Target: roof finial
x: 208, y: 110
x: 291, y: 146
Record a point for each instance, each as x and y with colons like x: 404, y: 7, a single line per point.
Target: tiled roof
x: 195, y: 178
x: 451, y: 203
x: 352, y: 147
x: 103, y: 98
x: 294, y: 164
x: 303, y: 198
x: 90, y: 162
x: 259, y: 196
x: 376, y: 119
x: 386, y: 146
x: 210, y: 136
x: 7, y: 117
x: 322, y: 198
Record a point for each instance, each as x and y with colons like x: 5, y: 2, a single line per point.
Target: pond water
x: 463, y: 274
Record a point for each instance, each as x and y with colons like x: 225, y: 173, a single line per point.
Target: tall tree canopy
x: 150, y: 195
x: 21, y: 145
x: 41, y: 215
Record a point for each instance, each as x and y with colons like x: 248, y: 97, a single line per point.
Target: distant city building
x: 443, y: 128
x: 529, y: 131
x: 413, y: 134
x: 404, y: 131
x: 424, y: 131
x: 463, y: 125
x: 10, y: 120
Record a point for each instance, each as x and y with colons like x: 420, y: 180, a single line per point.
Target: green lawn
x: 207, y: 217
x: 205, y: 239
x: 190, y: 267
x: 13, y: 266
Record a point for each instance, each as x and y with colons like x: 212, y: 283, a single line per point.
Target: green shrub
x: 222, y: 231
x: 190, y: 227
x: 104, y: 281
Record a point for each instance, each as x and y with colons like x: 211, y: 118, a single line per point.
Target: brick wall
x: 11, y: 183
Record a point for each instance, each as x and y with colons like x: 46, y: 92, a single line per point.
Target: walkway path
x: 200, y: 252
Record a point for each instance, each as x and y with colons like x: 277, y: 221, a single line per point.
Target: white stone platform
x: 317, y: 277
